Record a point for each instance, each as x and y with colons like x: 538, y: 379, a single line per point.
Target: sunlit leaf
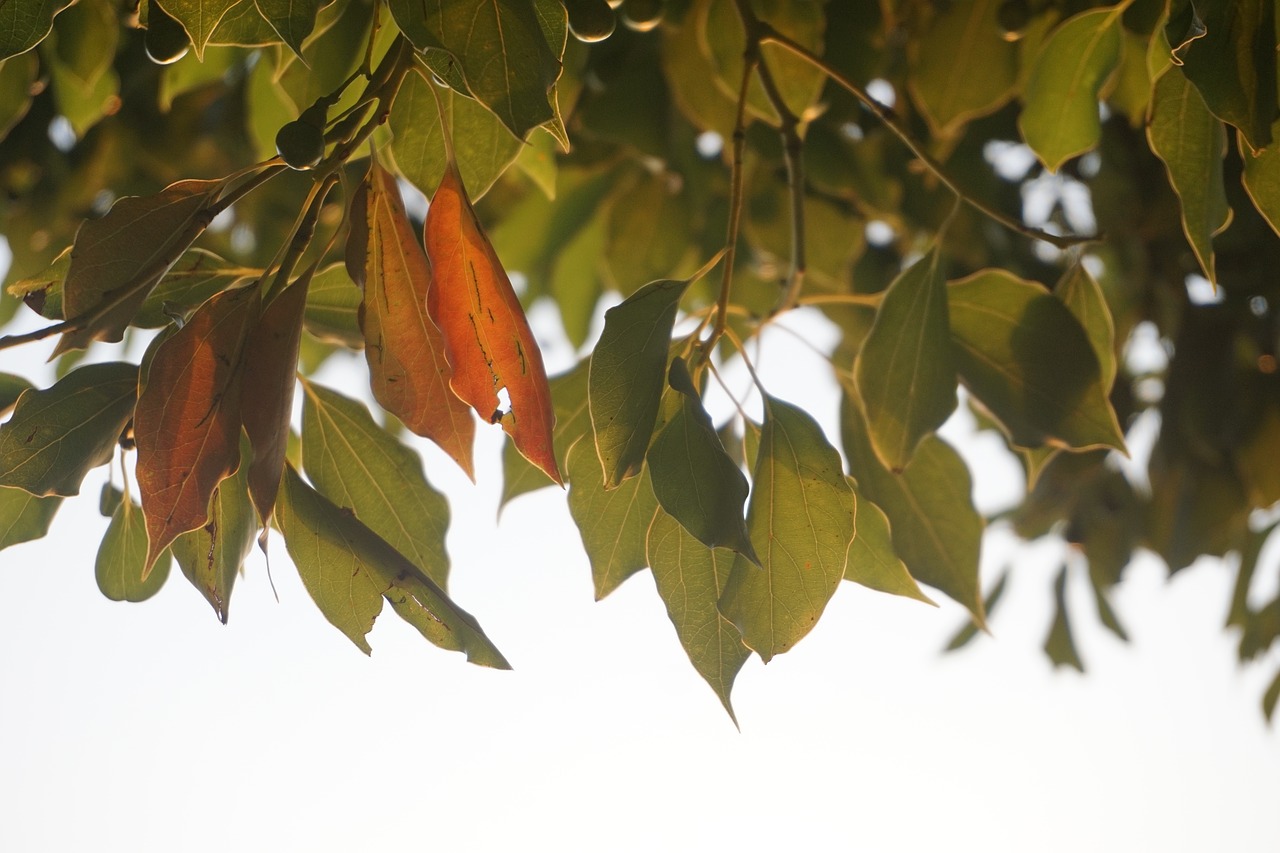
x: 801, y: 521
x: 1082, y: 295
x: 1059, y: 645
x: 904, y: 370
x: 292, y: 19
x: 1262, y: 180
x: 198, y: 17
x: 970, y: 630
x: 23, y: 516
x: 59, y: 434
x: 359, y: 465
x: 577, y: 279
x: 872, y: 561
x: 981, y: 70
x: 23, y: 23
x: 573, y: 421
x: 333, y: 308
x: 122, y: 558
x: 690, y: 578
x: 648, y: 232
x: 613, y: 523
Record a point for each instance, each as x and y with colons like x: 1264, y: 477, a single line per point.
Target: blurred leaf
x: 1262, y: 180
x: 1106, y: 614
x: 1261, y: 628
x: 17, y: 76
x: 122, y: 558
x: 970, y: 630
x: 86, y: 34
x: 687, y: 69
x: 649, y: 229
x: 23, y: 516
x: 1131, y: 92
x: 1059, y: 645
x: 23, y: 23
x: 981, y: 71
x: 1238, y: 613
x: 872, y: 561
x: 801, y: 521
x: 57, y: 435
x: 11, y: 387
x: 1270, y: 698
x: 904, y: 372
x: 576, y: 279
x: 613, y: 523
x: 537, y: 160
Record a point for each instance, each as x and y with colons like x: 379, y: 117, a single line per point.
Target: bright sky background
x: 152, y: 727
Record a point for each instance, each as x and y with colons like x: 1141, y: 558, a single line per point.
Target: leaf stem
x: 304, y: 229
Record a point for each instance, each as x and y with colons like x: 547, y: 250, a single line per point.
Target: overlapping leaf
x: 980, y: 74
x: 872, y: 561
x: 23, y: 516
x: 292, y: 19
x: 11, y: 388
x: 573, y: 421
x: 333, y: 308
x: 614, y: 523
x: 1082, y: 295
x: 23, y: 23
x: 1059, y: 645
x: 122, y: 556
x: 199, y: 18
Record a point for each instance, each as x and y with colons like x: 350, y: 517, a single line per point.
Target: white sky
x: 153, y: 727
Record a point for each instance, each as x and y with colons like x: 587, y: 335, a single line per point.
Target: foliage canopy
x: 997, y: 194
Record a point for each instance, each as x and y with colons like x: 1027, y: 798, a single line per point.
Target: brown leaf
x: 487, y: 338
x: 405, y: 350
x: 187, y: 423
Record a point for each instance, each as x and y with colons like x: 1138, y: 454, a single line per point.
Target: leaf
x: 1028, y: 360
x: 1191, y: 143
x: 406, y: 352
x: 694, y: 479
x: 1080, y: 292
x: 690, y: 578
x: 872, y: 561
x: 970, y: 630
x: 122, y: 558
x: 292, y: 19
x: 212, y: 557
x: 1059, y: 645
x: 266, y: 391
x: 348, y: 569
x: 117, y: 260
x: 359, y: 465
x: 628, y: 366
x: 904, y: 371
x: 1060, y: 116
x: 86, y: 35
x: 17, y: 75
x: 199, y: 18
x: 11, y: 387
x: 1106, y: 614
x: 980, y: 73
x: 936, y: 531
x: 187, y: 423
x: 23, y: 516
x: 333, y: 307
x: 649, y: 228
x: 1234, y: 65
x: 58, y: 435
x: 486, y: 336
x: 801, y: 520
x: 1262, y: 180
x: 1271, y: 697
x: 577, y: 279
x: 614, y: 523
x: 25, y: 23
x: 573, y: 421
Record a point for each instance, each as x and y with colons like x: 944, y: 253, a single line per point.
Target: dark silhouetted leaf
x: 122, y: 558
x: 1059, y: 645
x: 613, y: 524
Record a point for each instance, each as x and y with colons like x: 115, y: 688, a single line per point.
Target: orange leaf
x: 487, y: 338
x: 405, y: 350
x: 266, y: 393
x: 187, y: 423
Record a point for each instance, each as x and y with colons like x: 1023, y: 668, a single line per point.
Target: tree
x: 234, y: 175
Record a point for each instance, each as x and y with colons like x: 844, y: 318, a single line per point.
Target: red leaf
x: 487, y: 338
x: 408, y: 369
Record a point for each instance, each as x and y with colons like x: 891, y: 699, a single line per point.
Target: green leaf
x: 122, y: 558
x: 1271, y: 697
x: 1060, y: 117
x: 484, y: 147
x: 1262, y: 180
x: 1191, y: 143
x: 17, y: 75
x: 573, y: 421
x: 24, y: 23
x: 936, y: 531
x: 348, y: 569
x: 198, y: 17
x: 23, y: 516
x: 904, y: 372
x: 1234, y: 65
x: 980, y: 73
x: 1029, y: 361
x: 970, y: 630
x: 693, y: 478
x: 1106, y: 613
x: 690, y: 578
x: 58, y: 435
x: 357, y: 464
x: 649, y: 227
x: 626, y: 379
x: 1082, y: 295
x: 292, y: 19
x: 1059, y: 645
x: 11, y: 387
x: 86, y: 34
x: 333, y: 307
x: 872, y: 561
x: 614, y: 523
x: 801, y: 520
x: 244, y: 26
x: 577, y: 278
x: 82, y: 105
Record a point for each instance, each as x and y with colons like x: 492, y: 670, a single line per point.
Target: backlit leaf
x: 1060, y: 116
x: 1262, y: 180
x: 980, y: 72
x: 122, y: 557
x: 904, y: 371
x: 573, y: 421
x: 348, y: 569
x: 970, y: 630
x: 359, y: 465
x: 613, y: 524
x: 694, y: 479
x: 1191, y: 142
x: 1059, y: 645
x: 198, y: 17
x: 292, y: 19
x: 187, y: 423
x: 649, y: 228
x: 690, y: 578
x: 1024, y: 355
x: 408, y: 368
x: 872, y: 561
x: 23, y: 516
x: 486, y: 336
x: 1082, y: 295
x: 333, y: 308
x: 17, y: 74
x: 24, y: 23
x: 57, y: 435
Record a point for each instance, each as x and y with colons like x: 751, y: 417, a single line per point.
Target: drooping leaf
x: 348, y: 569
x: 614, y: 523
x: 935, y: 529
x: 872, y: 561
x: 904, y: 371
x: 690, y: 578
x: 801, y: 521
x: 649, y: 228
x: 1271, y: 697
x: 1262, y: 180
x: 980, y: 74
x: 694, y: 479
x: 1060, y: 116
x: 1059, y: 645
x: 23, y: 516
x: 359, y: 465
x: 117, y: 260
x: 970, y: 630
x: 573, y: 421
x: 1191, y: 142
x: 577, y: 279
x: 628, y: 367
x: 122, y: 557
x: 292, y: 19
x: 187, y: 423
x: 24, y: 23
x: 1024, y: 355
x: 266, y: 391
x: 198, y: 17
x: 486, y: 336
x: 1082, y: 295
x: 212, y: 556
x: 1106, y: 613
x: 59, y: 434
